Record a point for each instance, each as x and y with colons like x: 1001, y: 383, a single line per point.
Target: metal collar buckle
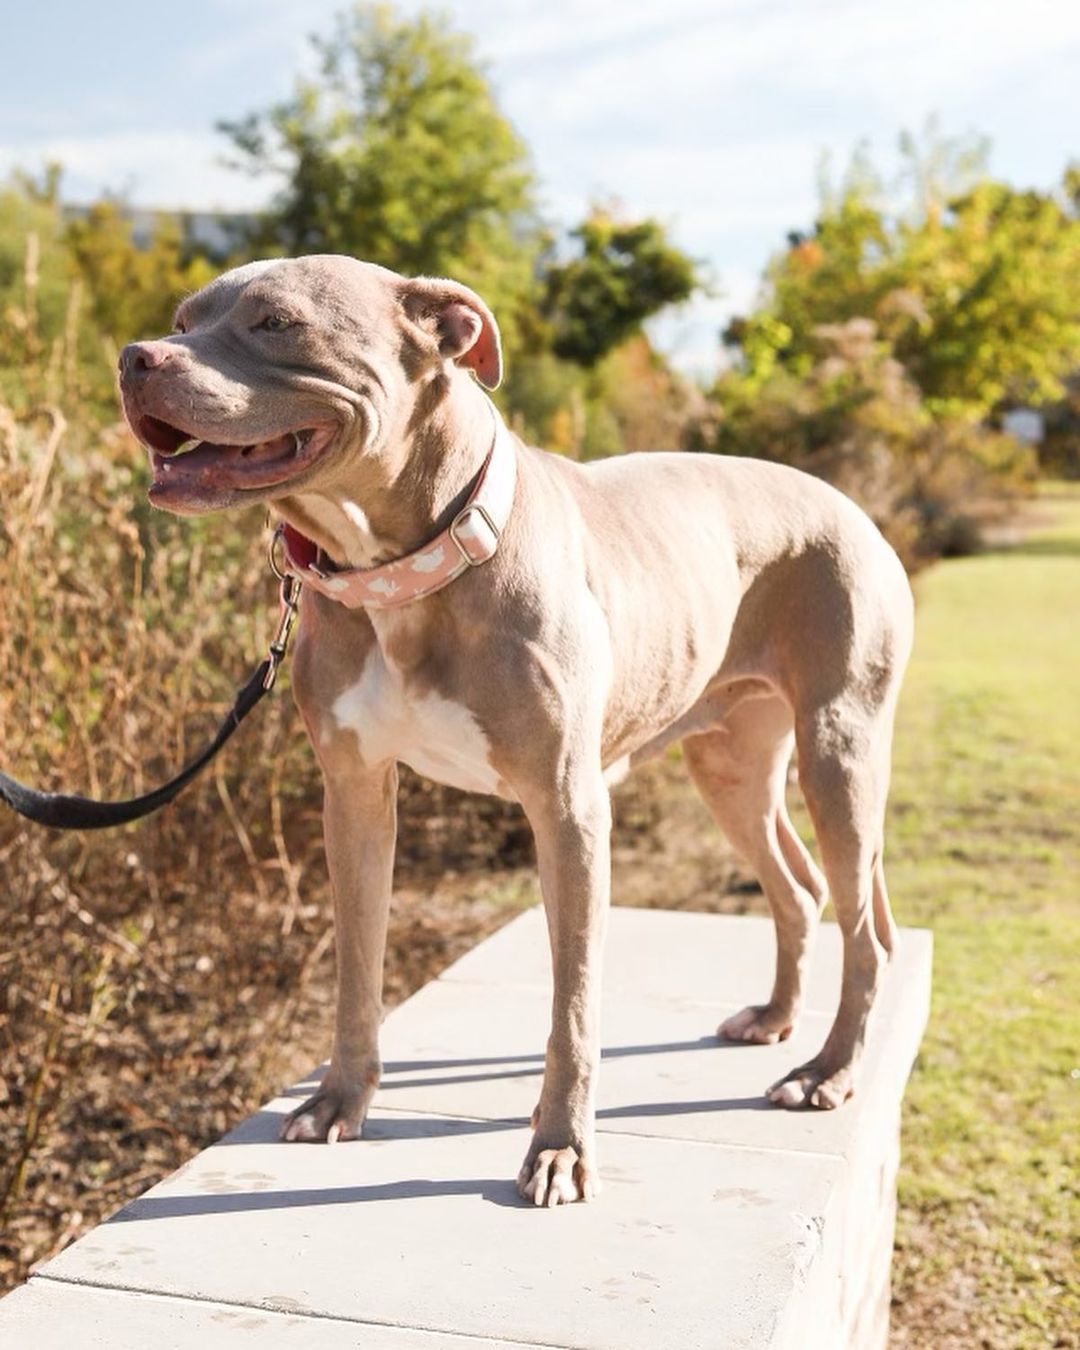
x: 474, y: 548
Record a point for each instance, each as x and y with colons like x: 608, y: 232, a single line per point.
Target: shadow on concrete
x: 535, y: 1061
x: 497, y: 1191
x: 384, y: 1128
x: 387, y: 1123
x: 709, y: 1107
x: 264, y: 1127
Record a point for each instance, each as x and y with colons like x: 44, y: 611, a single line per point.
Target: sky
x: 714, y: 116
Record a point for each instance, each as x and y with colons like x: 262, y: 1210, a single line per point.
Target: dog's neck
x: 393, y: 501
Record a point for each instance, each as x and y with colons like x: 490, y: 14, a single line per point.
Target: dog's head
x: 280, y: 373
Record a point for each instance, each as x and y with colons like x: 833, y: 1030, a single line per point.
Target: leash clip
x: 290, y: 604
x: 277, y: 544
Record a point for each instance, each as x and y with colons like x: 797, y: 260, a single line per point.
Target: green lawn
x: 984, y: 848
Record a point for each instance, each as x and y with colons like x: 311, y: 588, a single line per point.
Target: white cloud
x: 168, y: 169
x: 724, y: 185
x: 272, y: 33
x: 589, y: 59
x: 521, y: 31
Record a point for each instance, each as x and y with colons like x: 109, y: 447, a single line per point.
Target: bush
x: 856, y: 419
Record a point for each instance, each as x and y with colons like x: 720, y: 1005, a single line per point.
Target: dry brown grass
x: 118, y: 646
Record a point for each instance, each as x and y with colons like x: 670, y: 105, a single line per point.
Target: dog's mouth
x: 182, y: 461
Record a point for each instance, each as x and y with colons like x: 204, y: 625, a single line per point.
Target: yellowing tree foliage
x: 977, y: 293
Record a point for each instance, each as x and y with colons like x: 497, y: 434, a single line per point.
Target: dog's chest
x: 434, y: 735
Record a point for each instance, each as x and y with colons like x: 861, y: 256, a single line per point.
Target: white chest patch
x: 433, y: 735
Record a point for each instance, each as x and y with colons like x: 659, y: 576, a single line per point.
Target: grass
x: 985, y: 849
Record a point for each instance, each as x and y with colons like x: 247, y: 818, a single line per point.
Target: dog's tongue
x: 228, y: 465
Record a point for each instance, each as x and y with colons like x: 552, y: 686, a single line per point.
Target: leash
x: 470, y: 540
x: 62, y: 812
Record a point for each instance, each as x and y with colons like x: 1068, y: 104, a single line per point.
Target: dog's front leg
x: 360, y: 826
x: 572, y: 826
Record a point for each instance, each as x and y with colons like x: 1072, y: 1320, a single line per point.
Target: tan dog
x: 739, y: 607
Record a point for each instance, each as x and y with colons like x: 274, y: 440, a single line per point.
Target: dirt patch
x: 668, y: 853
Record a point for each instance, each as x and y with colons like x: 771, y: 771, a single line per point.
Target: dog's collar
x: 471, y: 539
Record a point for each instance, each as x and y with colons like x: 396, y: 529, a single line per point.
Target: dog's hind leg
x: 884, y: 925
x: 804, y: 869
x: 741, y: 771
x: 844, y: 752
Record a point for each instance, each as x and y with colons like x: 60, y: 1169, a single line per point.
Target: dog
x: 508, y: 621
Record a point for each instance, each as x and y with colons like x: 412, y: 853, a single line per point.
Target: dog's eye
x: 275, y: 323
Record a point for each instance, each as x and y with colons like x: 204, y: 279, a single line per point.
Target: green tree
x: 976, y: 291
x: 73, y: 287
x: 622, y: 272
x: 990, y: 300
x: 133, y: 287
x: 855, y: 418
x: 1071, y: 184
x: 398, y: 153
x: 35, y: 274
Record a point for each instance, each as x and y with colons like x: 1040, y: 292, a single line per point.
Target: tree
x: 133, y: 287
x: 398, y: 153
x: 991, y: 300
x: 623, y: 272
x: 976, y: 287
x: 855, y: 418
x: 34, y: 271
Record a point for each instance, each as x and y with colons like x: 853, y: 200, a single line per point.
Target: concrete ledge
x: 724, y: 1221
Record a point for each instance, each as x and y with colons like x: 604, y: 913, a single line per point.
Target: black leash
x: 63, y: 812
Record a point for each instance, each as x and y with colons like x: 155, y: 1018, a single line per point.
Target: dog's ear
x: 460, y: 322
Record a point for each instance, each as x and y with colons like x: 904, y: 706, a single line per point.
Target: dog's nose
x: 139, y: 358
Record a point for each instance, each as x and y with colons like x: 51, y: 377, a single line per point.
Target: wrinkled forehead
x: 332, y: 283
x: 221, y: 294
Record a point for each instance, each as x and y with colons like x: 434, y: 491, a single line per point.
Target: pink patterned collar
x: 471, y: 539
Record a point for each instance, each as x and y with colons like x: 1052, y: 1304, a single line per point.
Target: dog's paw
x: 815, y: 1084
x: 332, y: 1114
x: 557, y: 1176
x: 760, y: 1024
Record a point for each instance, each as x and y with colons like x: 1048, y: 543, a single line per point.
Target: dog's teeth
x: 189, y: 444
x: 298, y: 443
